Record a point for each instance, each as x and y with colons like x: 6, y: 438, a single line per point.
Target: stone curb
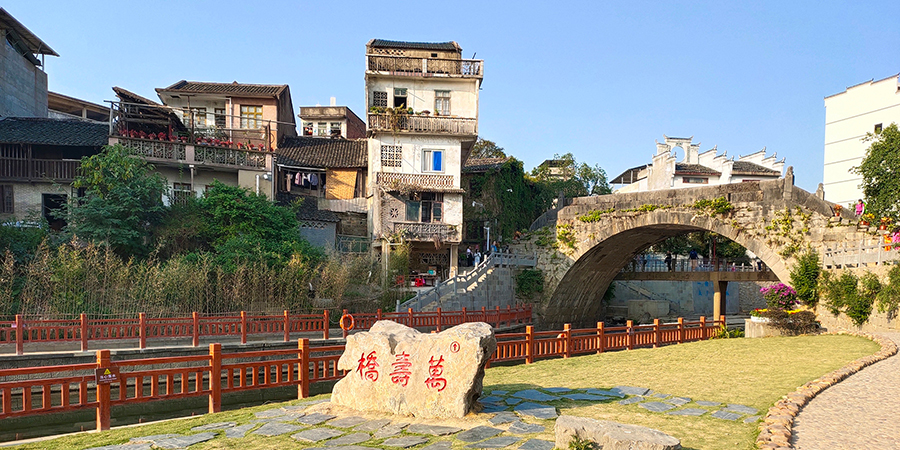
x: 776, y: 429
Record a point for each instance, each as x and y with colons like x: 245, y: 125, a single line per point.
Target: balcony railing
x: 230, y: 157
x: 427, y: 231
x: 394, y: 181
x: 426, y: 67
x: 423, y: 124
x: 209, y: 155
x: 38, y: 169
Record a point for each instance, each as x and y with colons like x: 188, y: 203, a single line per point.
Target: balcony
x: 12, y: 169
x: 200, y: 154
x: 419, y: 231
x: 416, y: 182
x: 423, y: 124
x: 426, y: 67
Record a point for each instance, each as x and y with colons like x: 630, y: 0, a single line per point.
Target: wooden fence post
x: 327, y: 329
x: 378, y: 314
x: 440, y: 319
x: 567, y: 334
x: 508, y: 315
x: 20, y: 334
x: 484, y: 314
x: 84, y: 332
x: 103, y: 400
x: 243, y: 327
x: 629, y: 340
x: 529, y: 344
x: 287, y: 326
x: 657, y: 335
x: 215, y: 378
x: 409, y: 313
x: 722, y: 321
x: 464, y: 318
x: 195, y: 318
x: 601, y: 338
x: 142, y: 323
x: 702, y: 327
x: 681, y: 330
x: 303, y: 370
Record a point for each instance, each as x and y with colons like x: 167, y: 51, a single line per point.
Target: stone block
x: 612, y: 435
x: 393, y: 368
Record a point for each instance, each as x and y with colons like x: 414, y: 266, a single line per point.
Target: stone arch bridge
x: 597, y: 236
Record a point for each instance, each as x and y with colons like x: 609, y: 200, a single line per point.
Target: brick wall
x: 23, y: 86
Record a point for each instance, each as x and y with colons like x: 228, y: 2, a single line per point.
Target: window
x: 7, y: 205
x: 322, y: 129
x: 307, y: 128
x: 412, y: 210
x: 425, y: 207
x: 878, y: 128
x: 442, y: 103
x: 220, y: 117
x: 194, y: 117
x: 335, y: 128
x: 695, y: 180
x: 391, y: 155
x: 181, y: 192
x: 251, y: 116
x: 379, y: 98
x: 400, y: 98
x: 432, y: 160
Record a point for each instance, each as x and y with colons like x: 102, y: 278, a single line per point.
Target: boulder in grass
x: 611, y: 435
x: 393, y: 368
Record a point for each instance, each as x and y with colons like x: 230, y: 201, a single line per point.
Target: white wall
x: 849, y: 115
x: 420, y: 93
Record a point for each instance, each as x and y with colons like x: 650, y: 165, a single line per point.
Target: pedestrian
x: 477, y: 257
x: 694, y: 259
x: 643, y: 258
x: 759, y: 264
x: 860, y: 208
x: 469, y: 257
x: 494, y: 247
x: 669, y: 261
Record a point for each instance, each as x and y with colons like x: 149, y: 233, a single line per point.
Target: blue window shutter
x: 437, y: 161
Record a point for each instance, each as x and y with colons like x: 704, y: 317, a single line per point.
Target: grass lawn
x: 752, y: 372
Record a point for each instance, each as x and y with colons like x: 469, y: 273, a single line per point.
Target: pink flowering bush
x: 780, y: 296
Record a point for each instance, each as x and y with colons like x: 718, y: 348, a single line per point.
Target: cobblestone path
x: 857, y: 413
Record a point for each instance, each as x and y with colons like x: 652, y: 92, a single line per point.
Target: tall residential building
x: 849, y: 115
x: 23, y: 82
x: 422, y: 124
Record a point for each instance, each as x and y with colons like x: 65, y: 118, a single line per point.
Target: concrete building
x: 864, y: 108
x: 331, y: 121
x: 696, y: 168
x: 23, y: 82
x: 422, y: 124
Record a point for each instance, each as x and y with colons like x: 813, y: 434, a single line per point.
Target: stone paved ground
x: 857, y: 413
x: 518, y: 425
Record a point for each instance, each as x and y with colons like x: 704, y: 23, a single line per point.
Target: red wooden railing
x: 142, y: 328
x: 51, y: 389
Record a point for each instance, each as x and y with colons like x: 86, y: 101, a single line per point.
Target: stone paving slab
x: 350, y: 439
x: 389, y: 430
x: 498, y: 393
x: 175, y: 443
x: 752, y: 419
x: 439, y: 445
x: 657, y: 406
x: 678, y: 401
x: 741, y: 409
x: 629, y: 401
x: 131, y: 446
x: 434, y: 430
x: 152, y: 438
x: 630, y: 390
x: 497, y: 442
x: 725, y: 415
x: 346, y: 447
x: 214, y: 426
x: 407, y: 441
x: 536, y: 410
x: 688, y: 412
x: 537, y: 444
x: 348, y: 422
x: 609, y: 393
x: 591, y: 397
x: 316, y: 434
x: 519, y: 427
x: 372, y: 425
x: 513, y: 401
x: 478, y: 433
x: 659, y: 395
x: 556, y: 390
x: 315, y: 418
x: 504, y: 417
x: 535, y: 395
x: 270, y: 413
x: 490, y: 399
x: 277, y: 429
x: 706, y: 403
x: 492, y: 408
x: 239, y: 431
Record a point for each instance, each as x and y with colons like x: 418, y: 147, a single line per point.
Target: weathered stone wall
x: 352, y: 224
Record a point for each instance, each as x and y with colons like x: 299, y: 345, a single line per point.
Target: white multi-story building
x: 696, y: 168
x: 422, y: 124
x: 849, y: 115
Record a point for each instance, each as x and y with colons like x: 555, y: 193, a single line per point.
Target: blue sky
x: 600, y: 79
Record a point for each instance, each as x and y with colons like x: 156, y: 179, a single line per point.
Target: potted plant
x: 866, y: 219
x: 837, y: 210
x: 885, y: 221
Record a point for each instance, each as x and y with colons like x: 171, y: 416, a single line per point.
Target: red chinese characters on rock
x: 400, y: 369
x: 368, y: 366
x: 435, y: 370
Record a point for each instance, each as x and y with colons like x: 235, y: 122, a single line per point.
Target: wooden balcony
x: 166, y: 152
x: 425, y: 67
x: 55, y: 170
x: 423, y: 124
x: 418, y: 231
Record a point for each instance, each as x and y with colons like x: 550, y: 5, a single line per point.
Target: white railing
x: 462, y: 282
x: 859, y: 254
x: 423, y: 124
x: 391, y: 180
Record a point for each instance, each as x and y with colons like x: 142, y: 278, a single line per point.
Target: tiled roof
x: 475, y: 165
x: 34, y: 43
x: 749, y: 168
x: 694, y: 169
x: 234, y: 88
x: 442, y: 46
x: 43, y: 131
x: 130, y: 97
x: 322, y: 152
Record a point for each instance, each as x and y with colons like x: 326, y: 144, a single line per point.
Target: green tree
x: 805, y: 277
x: 880, y: 170
x: 594, y: 179
x: 487, y: 149
x: 566, y: 175
x: 122, y: 201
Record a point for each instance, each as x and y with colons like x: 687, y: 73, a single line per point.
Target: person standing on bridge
x: 694, y: 259
x: 670, y: 263
x: 860, y: 208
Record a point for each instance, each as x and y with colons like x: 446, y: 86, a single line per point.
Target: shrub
x: 843, y: 294
x: 792, y: 323
x: 529, y: 282
x: 780, y: 296
x: 889, y: 297
x: 805, y: 277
